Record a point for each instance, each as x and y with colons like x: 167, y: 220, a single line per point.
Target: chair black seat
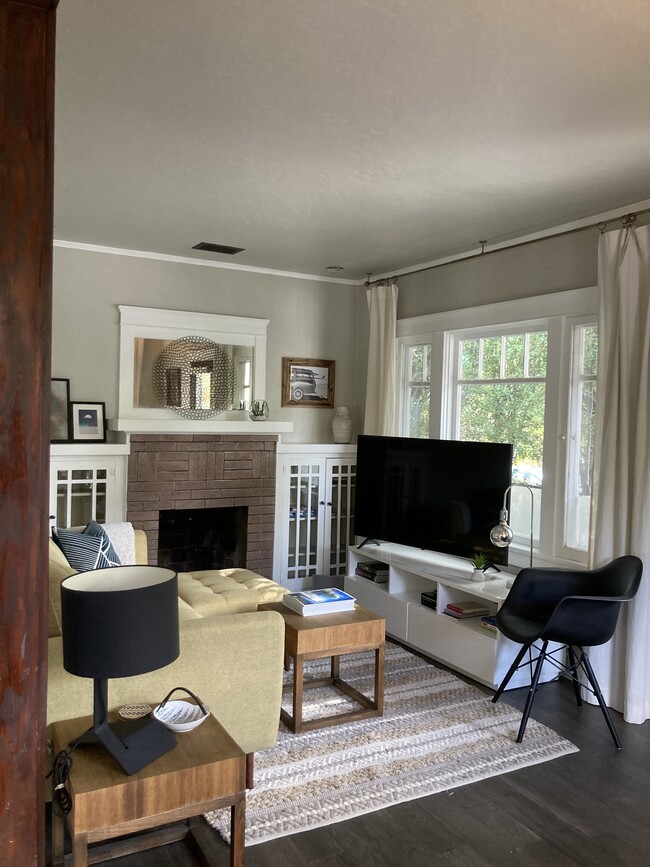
x: 518, y: 628
x: 574, y: 608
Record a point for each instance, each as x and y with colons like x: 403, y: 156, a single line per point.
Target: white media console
x: 463, y: 645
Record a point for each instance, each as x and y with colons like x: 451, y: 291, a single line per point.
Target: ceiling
x: 368, y: 134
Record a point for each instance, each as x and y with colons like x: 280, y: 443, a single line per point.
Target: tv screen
x: 441, y: 495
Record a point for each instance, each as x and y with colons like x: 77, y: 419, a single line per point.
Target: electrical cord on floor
x: 61, y: 800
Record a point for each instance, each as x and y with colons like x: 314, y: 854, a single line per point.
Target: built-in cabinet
x: 314, y: 512
x: 464, y: 645
x: 88, y: 482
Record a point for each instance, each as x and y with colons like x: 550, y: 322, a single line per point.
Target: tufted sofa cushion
x: 227, y: 591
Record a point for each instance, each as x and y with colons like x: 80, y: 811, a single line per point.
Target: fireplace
x: 194, y: 539
x: 201, y: 472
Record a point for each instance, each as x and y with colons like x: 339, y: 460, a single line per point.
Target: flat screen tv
x: 440, y: 495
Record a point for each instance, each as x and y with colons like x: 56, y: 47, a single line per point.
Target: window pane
x: 507, y: 413
x: 582, y: 423
x: 419, y: 398
x: 587, y: 435
x: 491, y: 358
x: 469, y: 359
x: 515, y: 344
x: 420, y: 363
x: 537, y: 344
x: 590, y: 351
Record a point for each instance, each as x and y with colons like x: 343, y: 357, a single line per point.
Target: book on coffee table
x: 325, y: 601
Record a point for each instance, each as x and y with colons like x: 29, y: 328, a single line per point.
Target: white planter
x: 478, y: 575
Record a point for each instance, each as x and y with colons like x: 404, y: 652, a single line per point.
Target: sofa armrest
x: 234, y: 663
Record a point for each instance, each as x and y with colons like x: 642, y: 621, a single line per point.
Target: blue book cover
x: 328, y: 594
x: 327, y: 600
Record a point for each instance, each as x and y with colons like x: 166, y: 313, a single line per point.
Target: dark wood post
x: 27, y: 32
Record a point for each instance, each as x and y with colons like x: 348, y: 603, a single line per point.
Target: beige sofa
x: 231, y: 654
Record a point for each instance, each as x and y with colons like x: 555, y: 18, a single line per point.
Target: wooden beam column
x: 27, y: 33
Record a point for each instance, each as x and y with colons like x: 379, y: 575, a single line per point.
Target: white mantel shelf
x: 83, y: 450
x: 209, y: 426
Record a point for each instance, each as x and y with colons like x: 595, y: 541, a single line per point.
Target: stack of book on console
x: 373, y: 571
x: 312, y: 602
x: 469, y: 608
x: 489, y: 623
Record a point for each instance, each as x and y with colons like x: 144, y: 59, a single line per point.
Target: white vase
x: 342, y: 425
x: 478, y: 575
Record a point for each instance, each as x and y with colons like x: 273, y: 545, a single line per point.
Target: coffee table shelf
x: 332, y: 636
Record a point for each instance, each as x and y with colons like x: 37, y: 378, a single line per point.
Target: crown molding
x: 189, y: 260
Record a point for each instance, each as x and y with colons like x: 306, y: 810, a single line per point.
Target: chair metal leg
x: 531, y: 692
x: 511, y: 671
x: 574, y: 674
x: 584, y: 660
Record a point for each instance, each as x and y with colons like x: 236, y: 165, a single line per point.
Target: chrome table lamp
x: 501, y: 534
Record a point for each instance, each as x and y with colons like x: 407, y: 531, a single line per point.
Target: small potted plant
x: 480, y: 563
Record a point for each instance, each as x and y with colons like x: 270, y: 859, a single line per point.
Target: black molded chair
x: 574, y: 609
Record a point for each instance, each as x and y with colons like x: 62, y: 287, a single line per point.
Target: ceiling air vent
x: 218, y: 248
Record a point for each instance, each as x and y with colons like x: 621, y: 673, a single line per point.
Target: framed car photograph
x: 59, y: 417
x: 307, y: 382
x: 88, y: 422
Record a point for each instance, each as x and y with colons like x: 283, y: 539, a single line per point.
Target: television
x: 439, y: 495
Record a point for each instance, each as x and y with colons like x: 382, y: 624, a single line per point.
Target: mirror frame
x: 159, y: 324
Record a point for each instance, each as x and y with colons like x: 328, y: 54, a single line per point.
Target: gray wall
x: 551, y: 265
x: 307, y: 319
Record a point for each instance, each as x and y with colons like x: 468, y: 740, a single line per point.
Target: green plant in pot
x: 480, y: 563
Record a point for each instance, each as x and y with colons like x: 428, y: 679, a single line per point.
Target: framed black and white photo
x: 307, y: 382
x: 59, y: 403
x: 88, y: 422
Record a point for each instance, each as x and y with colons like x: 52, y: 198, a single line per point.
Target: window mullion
x: 526, y: 355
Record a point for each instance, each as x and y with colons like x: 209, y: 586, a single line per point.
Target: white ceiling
x: 371, y: 134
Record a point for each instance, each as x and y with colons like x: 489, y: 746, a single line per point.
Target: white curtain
x: 620, y: 520
x: 379, y: 416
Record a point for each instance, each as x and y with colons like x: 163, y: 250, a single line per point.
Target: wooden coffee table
x: 205, y: 771
x: 331, y: 635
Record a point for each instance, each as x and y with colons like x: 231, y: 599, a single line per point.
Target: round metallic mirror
x: 195, y: 377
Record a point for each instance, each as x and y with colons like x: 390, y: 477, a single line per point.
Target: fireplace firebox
x: 194, y: 539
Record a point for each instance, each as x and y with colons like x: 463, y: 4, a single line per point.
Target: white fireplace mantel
x: 207, y: 426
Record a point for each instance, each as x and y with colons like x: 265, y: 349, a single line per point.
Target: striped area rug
x: 437, y: 733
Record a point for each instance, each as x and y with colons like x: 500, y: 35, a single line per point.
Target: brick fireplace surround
x: 205, y: 472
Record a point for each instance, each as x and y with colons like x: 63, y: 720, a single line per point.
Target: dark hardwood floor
x: 590, y: 808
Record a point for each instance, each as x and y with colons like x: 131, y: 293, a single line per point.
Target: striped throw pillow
x: 107, y: 549
x: 90, y: 549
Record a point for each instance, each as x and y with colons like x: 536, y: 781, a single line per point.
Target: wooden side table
x: 332, y: 635
x: 205, y: 771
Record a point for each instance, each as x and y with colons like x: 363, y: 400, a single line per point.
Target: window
x: 500, y: 392
x: 418, y: 389
x: 580, y: 442
x: 487, y: 374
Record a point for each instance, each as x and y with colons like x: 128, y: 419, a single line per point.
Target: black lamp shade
x: 119, y: 622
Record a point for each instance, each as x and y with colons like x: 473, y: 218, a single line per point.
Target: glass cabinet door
x: 80, y: 497
x: 85, y: 487
x: 305, y: 482
x: 340, y: 479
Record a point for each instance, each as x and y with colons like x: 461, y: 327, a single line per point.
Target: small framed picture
x: 59, y: 417
x: 307, y: 382
x: 88, y: 422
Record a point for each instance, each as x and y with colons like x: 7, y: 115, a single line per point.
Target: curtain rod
x: 627, y: 221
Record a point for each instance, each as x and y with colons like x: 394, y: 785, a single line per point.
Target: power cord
x: 61, y: 800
